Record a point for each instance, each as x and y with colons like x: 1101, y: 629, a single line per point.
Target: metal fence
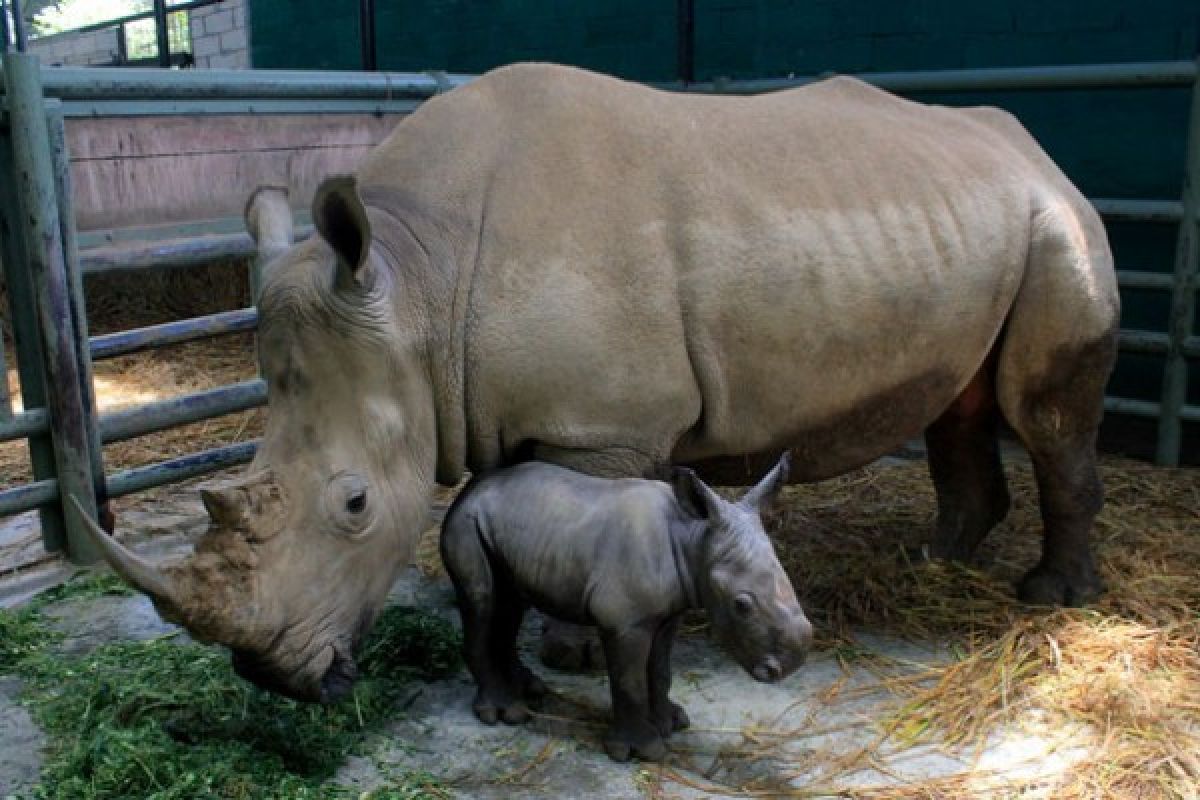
x: 45, y: 259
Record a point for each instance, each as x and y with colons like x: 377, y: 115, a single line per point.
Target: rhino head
x: 741, y: 584
x: 302, y: 550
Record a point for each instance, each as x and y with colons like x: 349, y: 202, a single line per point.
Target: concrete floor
x: 813, y: 730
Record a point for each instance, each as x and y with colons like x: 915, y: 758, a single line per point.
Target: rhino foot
x: 1048, y: 586
x: 672, y: 719
x: 645, y: 744
x: 509, y: 711
x: 570, y: 648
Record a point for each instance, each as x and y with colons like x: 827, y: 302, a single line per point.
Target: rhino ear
x: 696, y: 499
x: 341, y: 219
x: 763, y: 496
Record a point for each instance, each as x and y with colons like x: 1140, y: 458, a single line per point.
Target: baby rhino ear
x: 696, y: 499
x: 764, y: 495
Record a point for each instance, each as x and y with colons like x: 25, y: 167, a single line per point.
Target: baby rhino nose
x: 802, y: 632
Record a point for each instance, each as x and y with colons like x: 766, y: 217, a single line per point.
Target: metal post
x: 160, y: 33
x: 5, y: 401
x: 1183, y: 298
x: 83, y: 351
x: 366, y: 31
x: 18, y: 24
x: 685, y: 11
x: 4, y: 26
x: 25, y: 336
x: 48, y: 274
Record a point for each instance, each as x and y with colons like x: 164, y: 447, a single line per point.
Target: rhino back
x: 678, y: 276
x: 577, y: 546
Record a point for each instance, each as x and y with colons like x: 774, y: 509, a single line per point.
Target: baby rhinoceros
x: 628, y: 556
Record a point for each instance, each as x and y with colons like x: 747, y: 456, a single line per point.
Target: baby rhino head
x: 742, y: 585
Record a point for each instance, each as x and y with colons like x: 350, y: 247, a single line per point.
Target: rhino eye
x: 743, y: 604
x: 346, y: 503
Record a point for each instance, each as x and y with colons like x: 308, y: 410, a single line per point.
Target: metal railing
x: 45, y: 261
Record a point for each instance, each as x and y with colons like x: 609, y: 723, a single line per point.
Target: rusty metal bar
x: 42, y: 228
x: 25, y: 334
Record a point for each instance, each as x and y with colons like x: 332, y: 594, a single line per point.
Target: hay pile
x: 1115, y: 688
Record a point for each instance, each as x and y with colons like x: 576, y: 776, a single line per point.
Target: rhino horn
x: 765, y: 492
x: 268, y: 219
x: 225, y: 505
x: 133, y: 568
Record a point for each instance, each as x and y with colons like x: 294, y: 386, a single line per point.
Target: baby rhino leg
x: 632, y: 732
x: 487, y: 615
x: 666, y: 715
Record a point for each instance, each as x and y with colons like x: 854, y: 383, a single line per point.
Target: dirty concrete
x: 20, y: 741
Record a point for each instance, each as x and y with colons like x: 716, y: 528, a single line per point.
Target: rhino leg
x: 1057, y: 419
x: 491, y: 615
x: 632, y: 732
x: 964, y: 460
x: 667, y: 716
x: 570, y: 647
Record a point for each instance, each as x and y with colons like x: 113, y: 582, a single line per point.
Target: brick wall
x: 220, y: 35
x: 77, y: 49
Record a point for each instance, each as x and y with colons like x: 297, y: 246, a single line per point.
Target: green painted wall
x: 1111, y: 143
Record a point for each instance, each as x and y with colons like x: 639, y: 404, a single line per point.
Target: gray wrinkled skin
x: 628, y: 556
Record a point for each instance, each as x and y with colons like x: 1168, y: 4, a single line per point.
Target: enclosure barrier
x: 45, y: 260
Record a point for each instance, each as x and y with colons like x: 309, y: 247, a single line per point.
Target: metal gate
x: 44, y: 263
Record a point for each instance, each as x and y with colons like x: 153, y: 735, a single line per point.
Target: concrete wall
x: 220, y: 35
x: 77, y: 49
x: 134, y: 171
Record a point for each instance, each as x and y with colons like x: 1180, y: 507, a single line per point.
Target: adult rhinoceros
x: 551, y: 264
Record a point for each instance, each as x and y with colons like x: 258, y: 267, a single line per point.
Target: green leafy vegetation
x: 166, y: 719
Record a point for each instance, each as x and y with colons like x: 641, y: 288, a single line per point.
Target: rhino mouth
x: 334, y: 684
x: 339, y: 679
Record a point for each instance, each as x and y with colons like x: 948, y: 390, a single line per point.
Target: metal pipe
x: 366, y: 31
x: 61, y: 160
x: 76, y: 109
x: 28, y: 497
x: 25, y: 333
x: 36, y: 193
x: 4, y: 38
x: 179, y: 469
x: 183, y: 252
x: 18, y: 24
x: 117, y: 83
x: 117, y: 426
x: 25, y: 424
x: 110, y: 345
x: 1074, y: 76
x: 6, y: 410
x: 162, y: 39
x: 1138, y: 279
x: 1138, y: 210
x: 1134, y: 408
x: 685, y: 41
x: 1183, y: 299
